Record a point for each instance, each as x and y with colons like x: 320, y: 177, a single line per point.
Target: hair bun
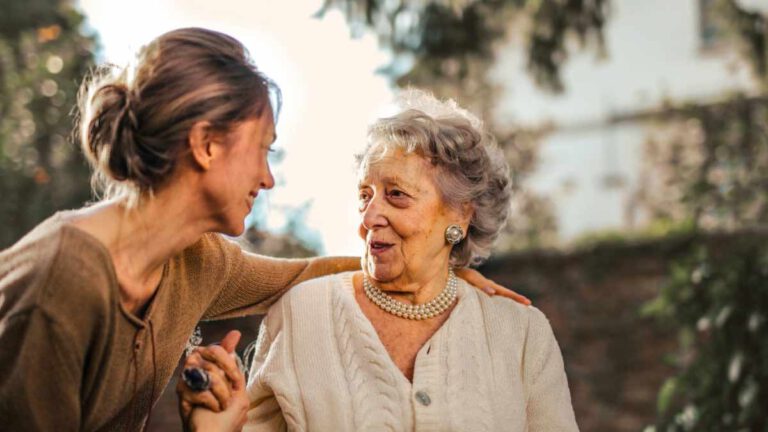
x: 112, y: 132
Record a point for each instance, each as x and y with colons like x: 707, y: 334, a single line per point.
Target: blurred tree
x: 446, y: 36
x: 707, y: 164
x: 749, y: 29
x: 294, y: 240
x: 286, y: 245
x: 43, y: 57
x: 717, y: 299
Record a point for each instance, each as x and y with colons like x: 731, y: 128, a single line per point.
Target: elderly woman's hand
x: 226, y: 391
x: 231, y: 419
x: 488, y: 286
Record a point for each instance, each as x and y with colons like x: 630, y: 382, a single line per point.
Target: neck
x: 418, y: 286
x: 143, y: 238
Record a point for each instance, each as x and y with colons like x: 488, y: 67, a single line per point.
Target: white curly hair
x: 471, y: 169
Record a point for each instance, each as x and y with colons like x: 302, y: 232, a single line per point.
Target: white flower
x: 734, y: 369
x: 703, y: 324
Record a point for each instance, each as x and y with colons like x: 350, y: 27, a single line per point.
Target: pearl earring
x: 454, y: 234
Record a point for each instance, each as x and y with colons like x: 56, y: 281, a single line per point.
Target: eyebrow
x: 395, y: 180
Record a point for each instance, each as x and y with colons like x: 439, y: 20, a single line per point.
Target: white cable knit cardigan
x: 494, y: 365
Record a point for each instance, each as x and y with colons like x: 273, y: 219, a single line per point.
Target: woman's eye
x: 397, y: 193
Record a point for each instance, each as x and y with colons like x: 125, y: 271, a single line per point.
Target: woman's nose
x: 373, y: 215
x: 267, y: 180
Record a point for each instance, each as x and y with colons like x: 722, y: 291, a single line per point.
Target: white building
x: 658, y: 50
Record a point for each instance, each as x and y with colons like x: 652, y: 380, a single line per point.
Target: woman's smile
x: 251, y: 199
x: 379, y: 248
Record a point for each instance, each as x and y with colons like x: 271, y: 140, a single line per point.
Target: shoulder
x: 312, y: 299
x: 211, y: 247
x: 54, y: 263
x: 209, y: 261
x: 215, y: 252
x: 38, y: 247
x: 500, y: 307
x: 509, y: 319
x: 316, y: 290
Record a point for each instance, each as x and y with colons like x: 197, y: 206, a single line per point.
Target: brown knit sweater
x: 71, y: 358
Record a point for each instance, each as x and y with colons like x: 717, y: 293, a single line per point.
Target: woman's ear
x: 467, y: 211
x: 203, y: 145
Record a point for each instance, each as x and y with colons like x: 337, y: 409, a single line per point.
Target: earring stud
x: 454, y: 234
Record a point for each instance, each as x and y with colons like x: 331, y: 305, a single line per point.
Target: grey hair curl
x: 471, y: 169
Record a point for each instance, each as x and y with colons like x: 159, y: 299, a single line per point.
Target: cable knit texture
x: 71, y: 358
x: 494, y: 365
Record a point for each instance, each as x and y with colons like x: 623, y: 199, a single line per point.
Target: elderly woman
x: 405, y: 344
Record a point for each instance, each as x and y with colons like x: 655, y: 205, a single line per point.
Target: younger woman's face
x: 241, y: 172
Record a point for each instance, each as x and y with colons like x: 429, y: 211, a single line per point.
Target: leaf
x: 666, y: 394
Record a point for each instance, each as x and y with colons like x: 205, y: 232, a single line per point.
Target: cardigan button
x: 423, y: 398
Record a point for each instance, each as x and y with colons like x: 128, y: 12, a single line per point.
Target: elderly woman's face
x: 402, y: 218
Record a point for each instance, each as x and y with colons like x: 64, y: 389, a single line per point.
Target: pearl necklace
x: 431, y: 309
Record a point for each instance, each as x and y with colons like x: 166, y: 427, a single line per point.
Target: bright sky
x: 330, y: 92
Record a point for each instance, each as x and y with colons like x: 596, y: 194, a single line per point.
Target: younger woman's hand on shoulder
x: 490, y: 287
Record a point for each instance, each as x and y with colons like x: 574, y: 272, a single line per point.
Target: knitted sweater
x: 72, y: 358
x: 319, y: 366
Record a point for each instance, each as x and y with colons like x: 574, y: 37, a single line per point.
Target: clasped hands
x: 223, y: 406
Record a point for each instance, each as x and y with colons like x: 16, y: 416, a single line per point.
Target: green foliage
x: 553, y: 23
x: 657, y: 229
x: 708, y: 161
x: 717, y: 299
x: 714, y: 172
x: 710, y: 164
x: 293, y: 240
x: 43, y: 57
x: 446, y: 36
x: 750, y: 29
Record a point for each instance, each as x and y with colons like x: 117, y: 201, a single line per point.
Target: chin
x: 234, y: 229
x: 381, y: 272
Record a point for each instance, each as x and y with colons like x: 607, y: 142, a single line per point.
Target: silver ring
x: 196, y: 378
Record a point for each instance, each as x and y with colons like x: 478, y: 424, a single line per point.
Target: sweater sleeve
x: 549, y: 406
x: 264, y: 413
x: 252, y: 282
x: 40, y: 378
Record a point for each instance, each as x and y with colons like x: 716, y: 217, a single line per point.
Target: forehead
x: 262, y: 127
x: 266, y: 122
x: 269, y: 132
x: 393, y: 165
